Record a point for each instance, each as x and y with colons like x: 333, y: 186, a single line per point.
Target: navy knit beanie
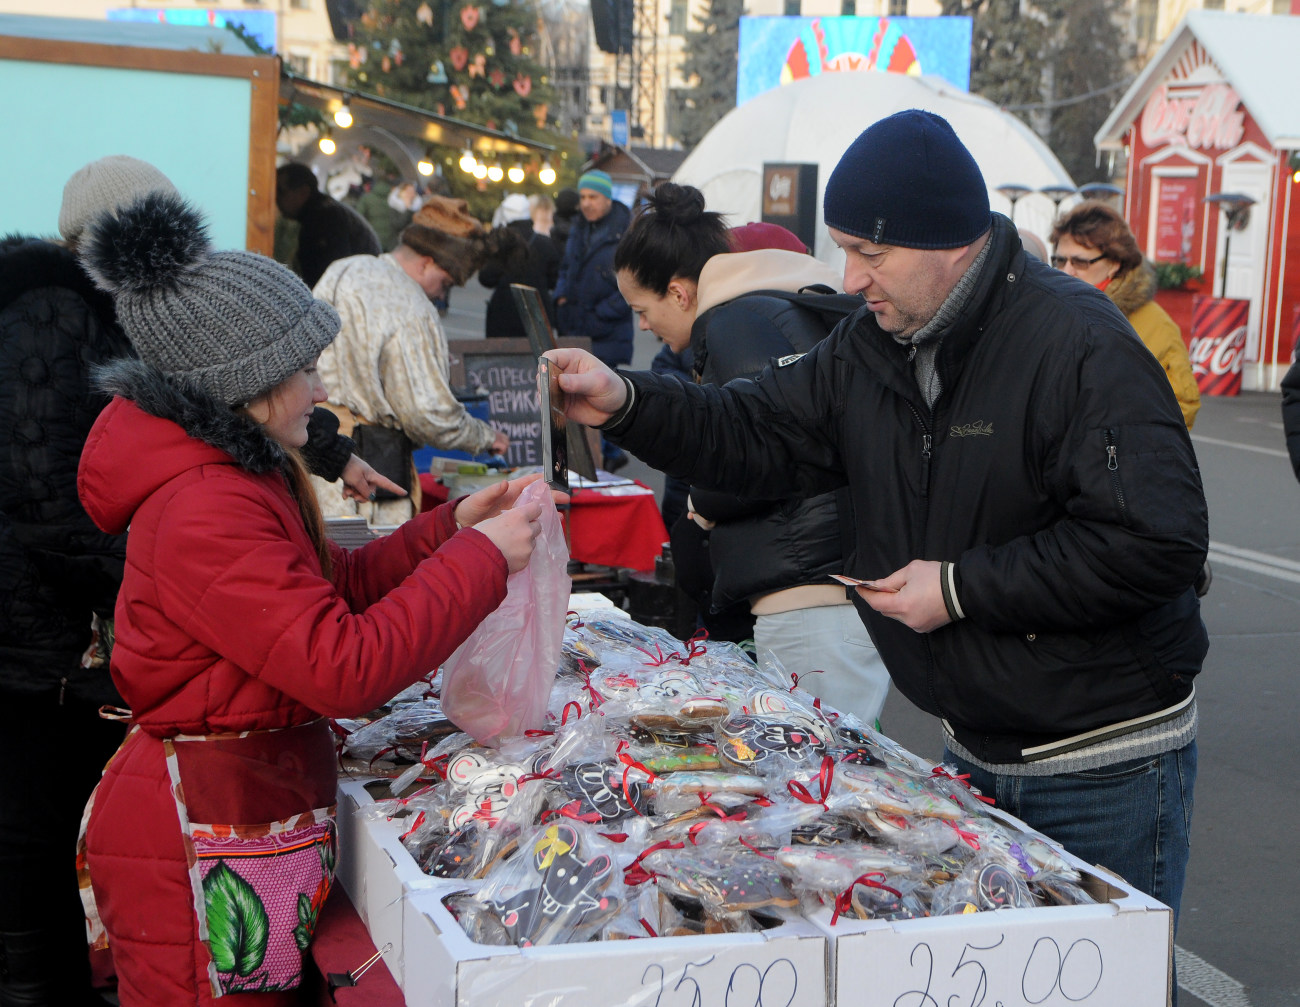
x: 907, y: 180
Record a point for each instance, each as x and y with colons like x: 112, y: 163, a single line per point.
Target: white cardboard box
x: 1114, y: 954
x: 436, y: 963
x: 376, y: 871
x: 782, y: 967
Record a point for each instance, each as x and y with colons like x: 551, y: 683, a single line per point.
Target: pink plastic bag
x: 497, y: 683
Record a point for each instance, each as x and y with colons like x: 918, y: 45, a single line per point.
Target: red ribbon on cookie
x: 844, y: 900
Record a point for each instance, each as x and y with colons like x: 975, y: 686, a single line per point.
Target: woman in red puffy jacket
x: 209, y: 843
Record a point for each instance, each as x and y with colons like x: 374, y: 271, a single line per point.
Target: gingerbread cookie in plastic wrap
x: 723, y: 880
x: 560, y: 888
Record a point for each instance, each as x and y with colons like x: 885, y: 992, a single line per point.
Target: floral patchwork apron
x: 256, y: 811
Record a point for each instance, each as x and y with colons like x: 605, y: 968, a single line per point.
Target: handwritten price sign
x: 721, y: 971
x: 1094, y: 958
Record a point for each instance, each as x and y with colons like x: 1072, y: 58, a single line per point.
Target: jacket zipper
x: 1112, y: 465
x: 926, y: 444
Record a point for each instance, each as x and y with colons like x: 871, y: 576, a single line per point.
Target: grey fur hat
x: 234, y: 324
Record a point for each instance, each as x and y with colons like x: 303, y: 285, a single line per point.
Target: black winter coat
x: 1055, y: 470
x: 1291, y: 414
x: 56, y: 566
x: 537, y: 265
x: 759, y: 547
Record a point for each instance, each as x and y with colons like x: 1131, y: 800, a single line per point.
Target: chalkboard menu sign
x: 507, y: 370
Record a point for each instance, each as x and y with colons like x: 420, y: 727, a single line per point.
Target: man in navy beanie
x: 1026, y: 501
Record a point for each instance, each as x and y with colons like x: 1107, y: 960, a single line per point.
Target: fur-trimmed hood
x: 155, y: 430
x: 1134, y: 289
x: 28, y: 264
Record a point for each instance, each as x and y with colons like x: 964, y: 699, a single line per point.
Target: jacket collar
x: 195, y: 412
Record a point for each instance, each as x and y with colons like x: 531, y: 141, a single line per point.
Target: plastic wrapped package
x: 560, y: 888
x: 497, y: 683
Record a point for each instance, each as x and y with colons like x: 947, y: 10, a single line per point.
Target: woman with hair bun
x: 1094, y: 243
x: 677, y: 268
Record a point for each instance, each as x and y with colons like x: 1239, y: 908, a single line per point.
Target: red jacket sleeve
x: 245, y: 589
x: 365, y: 575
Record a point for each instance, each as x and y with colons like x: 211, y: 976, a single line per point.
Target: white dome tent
x: 815, y: 119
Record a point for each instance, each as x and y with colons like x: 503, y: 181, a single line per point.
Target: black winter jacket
x: 56, y: 566
x: 1055, y: 470
x: 1291, y: 414
x: 537, y: 265
x: 759, y: 547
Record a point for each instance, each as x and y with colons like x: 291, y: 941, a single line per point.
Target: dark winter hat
x: 234, y: 324
x: 566, y: 203
x: 907, y: 180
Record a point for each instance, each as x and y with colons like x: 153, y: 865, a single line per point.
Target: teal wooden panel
x: 56, y: 118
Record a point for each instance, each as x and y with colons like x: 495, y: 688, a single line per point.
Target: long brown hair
x: 295, y: 473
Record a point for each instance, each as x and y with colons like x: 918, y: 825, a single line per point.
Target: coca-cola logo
x: 1218, y: 355
x: 1204, y: 118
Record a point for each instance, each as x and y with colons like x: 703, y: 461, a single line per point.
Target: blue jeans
x: 1133, y: 818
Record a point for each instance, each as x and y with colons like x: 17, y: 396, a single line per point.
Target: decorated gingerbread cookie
x: 723, y: 882
x: 569, y: 895
x: 750, y: 742
x: 603, y: 788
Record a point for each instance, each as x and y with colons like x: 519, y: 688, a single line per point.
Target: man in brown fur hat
x: 388, y: 370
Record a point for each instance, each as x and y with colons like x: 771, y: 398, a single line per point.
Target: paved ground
x: 1238, y: 930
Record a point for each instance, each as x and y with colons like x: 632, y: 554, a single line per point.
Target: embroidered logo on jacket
x: 976, y: 429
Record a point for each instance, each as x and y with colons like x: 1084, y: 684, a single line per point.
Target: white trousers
x: 832, y: 639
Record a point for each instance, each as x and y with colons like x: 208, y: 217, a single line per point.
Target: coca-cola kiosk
x: 1210, y: 131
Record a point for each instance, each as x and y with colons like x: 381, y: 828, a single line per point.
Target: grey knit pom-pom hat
x: 233, y: 324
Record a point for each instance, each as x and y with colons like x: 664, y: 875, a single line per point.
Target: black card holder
x: 389, y: 452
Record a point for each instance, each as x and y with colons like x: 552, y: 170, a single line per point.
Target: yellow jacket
x: 1133, y: 293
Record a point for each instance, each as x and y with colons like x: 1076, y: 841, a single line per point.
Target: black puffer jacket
x: 56, y: 567
x: 1055, y: 470
x: 758, y: 547
x: 1291, y: 414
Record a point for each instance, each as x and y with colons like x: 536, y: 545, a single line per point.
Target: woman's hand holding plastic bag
x: 497, y: 682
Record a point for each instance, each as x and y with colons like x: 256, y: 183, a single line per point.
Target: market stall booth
x: 1211, y: 136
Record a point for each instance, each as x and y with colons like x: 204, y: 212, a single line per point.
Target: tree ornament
x: 424, y: 14
x: 355, y: 56
x: 498, y: 77
x: 437, y: 73
x: 523, y: 85
x: 460, y: 95
x: 385, y: 64
x: 459, y: 57
x: 516, y: 43
x: 539, y: 114
x: 479, y: 67
x: 469, y: 17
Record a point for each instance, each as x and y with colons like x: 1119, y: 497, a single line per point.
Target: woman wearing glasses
x: 1094, y: 243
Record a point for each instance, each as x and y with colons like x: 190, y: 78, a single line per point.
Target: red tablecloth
x: 341, y: 944
x: 624, y: 531
x: 606, y: 530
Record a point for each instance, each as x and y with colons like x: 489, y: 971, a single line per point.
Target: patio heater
x: 1014, y: 192
x: 1236, y: 208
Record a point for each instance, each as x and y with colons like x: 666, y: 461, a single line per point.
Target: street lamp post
x: 1057, y: 194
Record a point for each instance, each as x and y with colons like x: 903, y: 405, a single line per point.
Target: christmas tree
x: 471, y: 59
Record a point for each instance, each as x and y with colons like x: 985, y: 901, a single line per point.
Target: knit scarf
x: 925, y: 340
